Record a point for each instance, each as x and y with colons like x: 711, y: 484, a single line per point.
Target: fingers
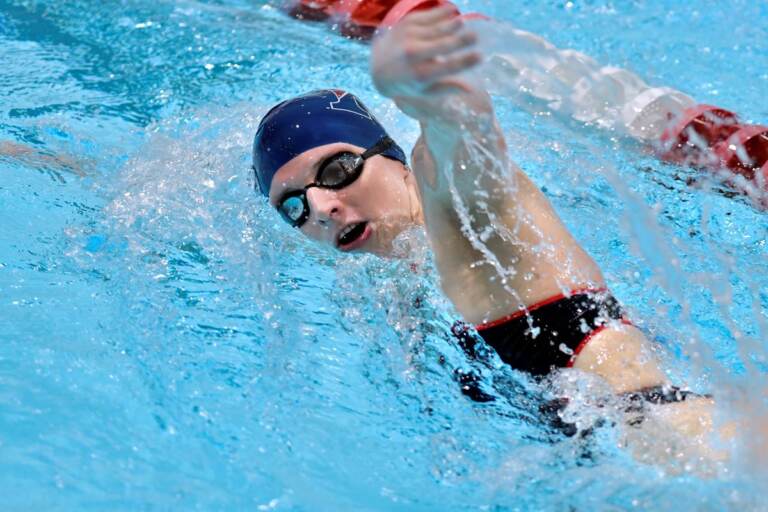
x: 437, y: 58
x: 443, y: 28
x: 439, y: 68
x: 447, y: 45
x: 424, y: 48
x: 431, y: 16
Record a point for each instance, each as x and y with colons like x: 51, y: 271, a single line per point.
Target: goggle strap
x: 384, y: 144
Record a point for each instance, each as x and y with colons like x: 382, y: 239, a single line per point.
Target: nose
x: 324, y: 205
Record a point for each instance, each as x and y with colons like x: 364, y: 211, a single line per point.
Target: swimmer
x: 332, y: 172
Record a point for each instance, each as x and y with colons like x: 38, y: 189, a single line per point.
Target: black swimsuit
x: 551, y: 333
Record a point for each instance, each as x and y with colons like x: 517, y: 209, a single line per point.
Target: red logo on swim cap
x: 338, y: 93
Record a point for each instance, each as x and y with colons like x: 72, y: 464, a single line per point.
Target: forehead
x: 301, y: 169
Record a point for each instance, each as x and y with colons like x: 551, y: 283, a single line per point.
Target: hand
x: 425, y: 48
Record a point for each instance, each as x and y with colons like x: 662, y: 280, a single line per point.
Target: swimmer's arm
x: 498, y: 242
x: 31, y: 156
x: 536, y: 257
x: 461, y: 141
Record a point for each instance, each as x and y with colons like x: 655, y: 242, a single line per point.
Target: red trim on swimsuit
x: 551, y: 333
x: 588, y: 338
x: 537, y: 305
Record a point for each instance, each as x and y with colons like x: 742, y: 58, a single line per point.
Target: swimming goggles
x: 335, y: 173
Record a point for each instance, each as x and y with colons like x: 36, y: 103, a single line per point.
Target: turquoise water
x: 168, y: 343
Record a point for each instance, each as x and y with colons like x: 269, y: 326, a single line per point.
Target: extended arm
x: 33, y: 157
x: 497, y: 241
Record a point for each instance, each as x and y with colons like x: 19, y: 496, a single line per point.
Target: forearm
x: 497, y: 241
x: 33, y: 157
x: 463, y: 202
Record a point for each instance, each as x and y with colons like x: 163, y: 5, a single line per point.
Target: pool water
x: 168, y: 343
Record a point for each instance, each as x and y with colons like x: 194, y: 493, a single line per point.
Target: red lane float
x: 703, y: 136
x: 689, y: 139
x: 317, y: 10
x: 359, y: 19
x: 706, y: 136
x: 745, y: 151
x: 403, y: 7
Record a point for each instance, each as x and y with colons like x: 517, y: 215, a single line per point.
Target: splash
x: 529, y: 71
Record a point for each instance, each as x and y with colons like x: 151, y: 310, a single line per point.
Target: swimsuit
x: 547, y: 335
x: 550, y: 334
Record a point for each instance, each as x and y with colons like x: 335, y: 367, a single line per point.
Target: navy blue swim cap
x: 311, y: 120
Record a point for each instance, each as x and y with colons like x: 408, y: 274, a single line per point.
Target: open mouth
x: 353, y: 235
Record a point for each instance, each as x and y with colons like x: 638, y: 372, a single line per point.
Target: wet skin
x: 414, y: 64
x: 384, y: 197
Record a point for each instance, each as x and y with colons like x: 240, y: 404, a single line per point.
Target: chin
x: 383, y: 252
x: 385, y: 241
x: 380, y: 242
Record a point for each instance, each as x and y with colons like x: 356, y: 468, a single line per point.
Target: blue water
x: 167, y: 343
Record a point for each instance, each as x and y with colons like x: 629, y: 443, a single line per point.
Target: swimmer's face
x: 364, y: 216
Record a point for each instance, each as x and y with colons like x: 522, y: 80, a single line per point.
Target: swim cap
x: 311, y: 120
